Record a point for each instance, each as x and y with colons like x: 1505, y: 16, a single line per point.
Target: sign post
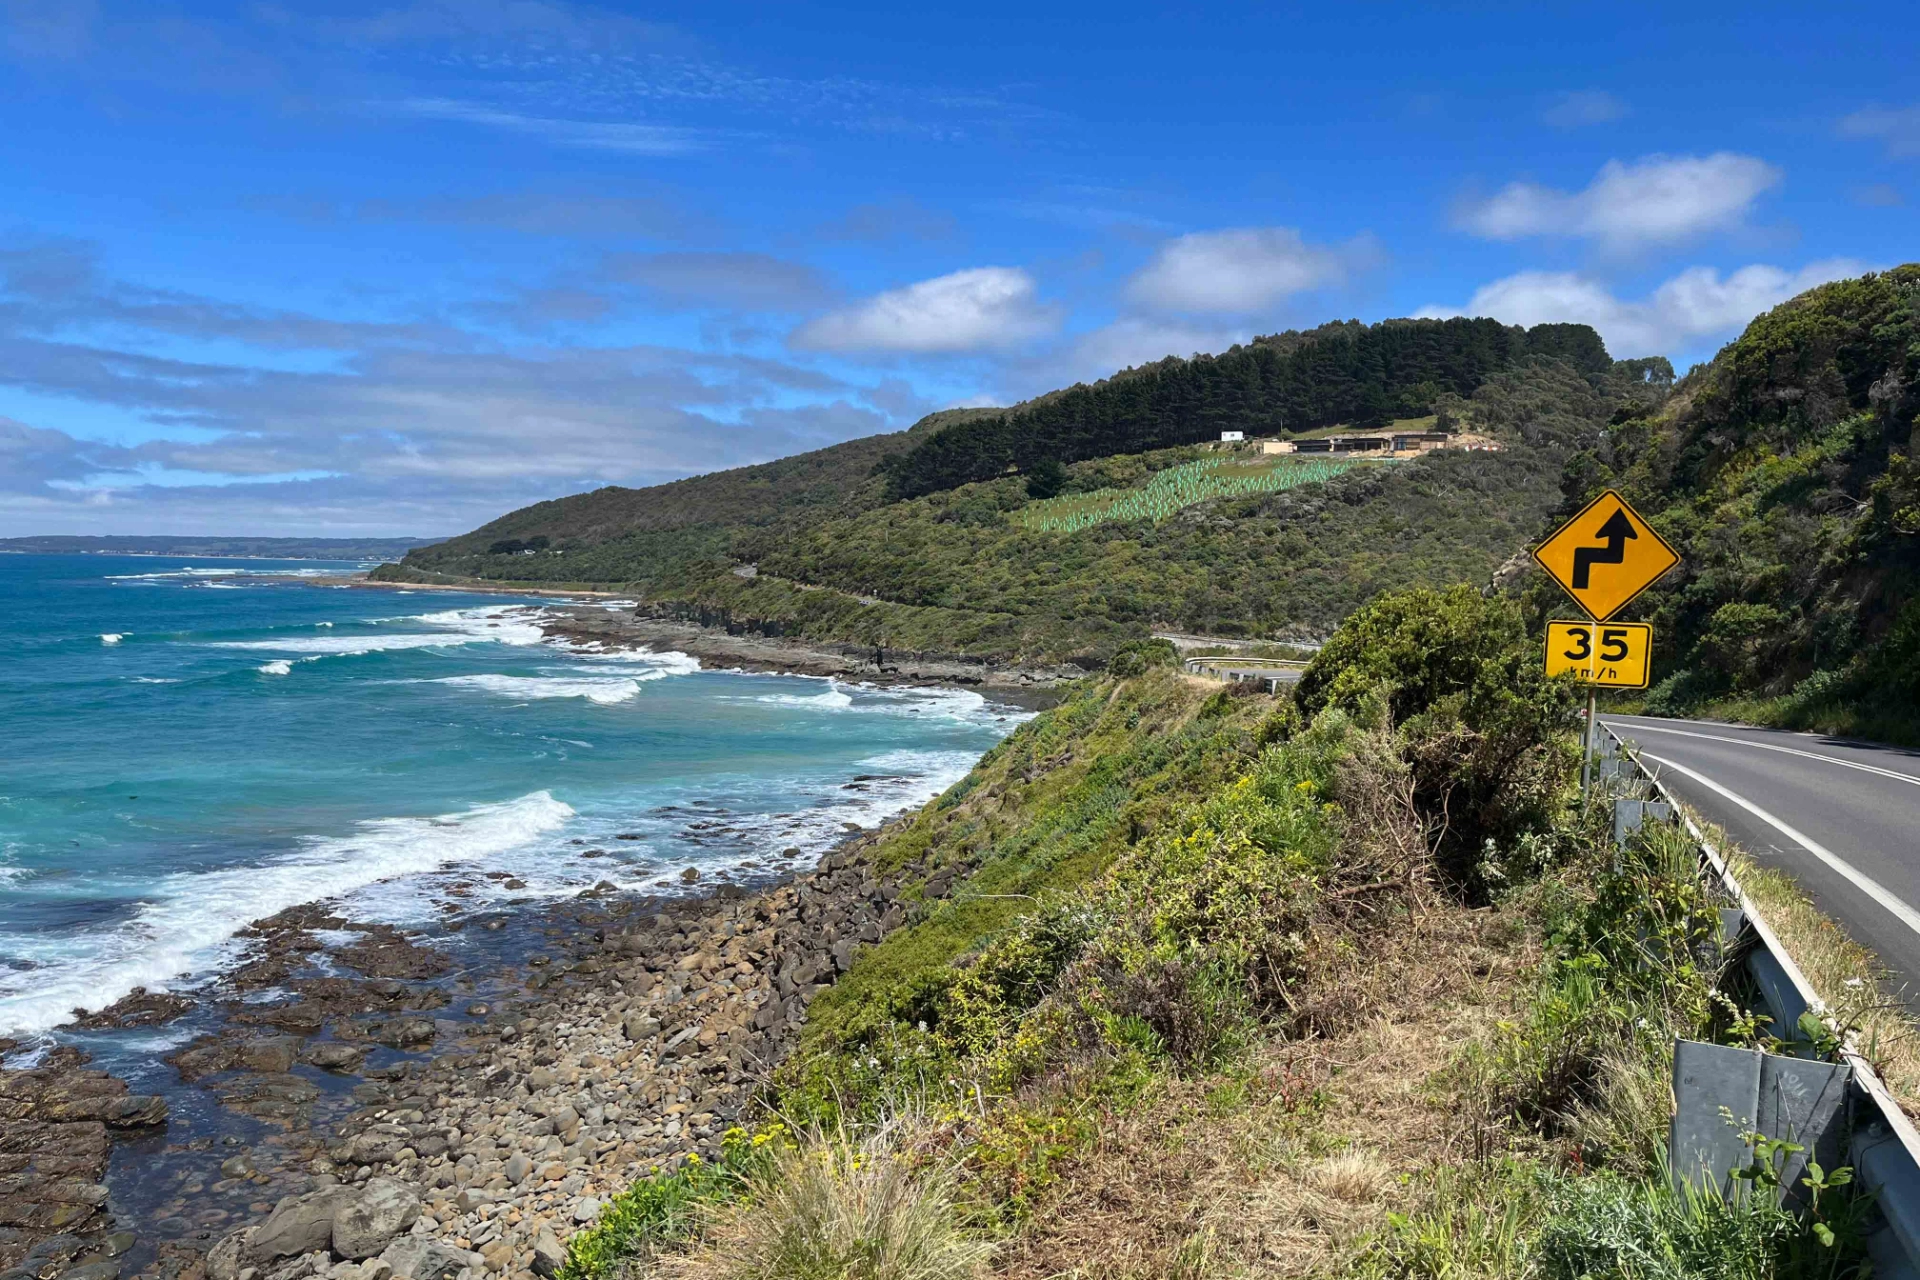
x: 1604, y: 557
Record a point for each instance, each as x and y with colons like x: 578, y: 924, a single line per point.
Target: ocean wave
x: 831, y: 700
x: 671, y: 661
x: 278, y: 667
x: 492, y: 624
x: 191, y: 572
x: 606, y: 691
x: 112, y: 637
x: 961, y: 705
x: 186, y: 924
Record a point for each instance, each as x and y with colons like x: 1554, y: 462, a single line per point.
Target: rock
x: 518, y: 1167
x: 297, y: 1225
x: 105, y: 1269
x: 47, y: 1258
x: 375, y: 1148
x: 498, y: 1256
x: 268, y: 1053
x: 335, y: 1056
x: 548, y: 1256
x: 237, y: 1166
x: 383, y: 1209
x: 226, y: 1258
x: 638, y: 1026
x: 415, y: 1258
x: 586, y: 1209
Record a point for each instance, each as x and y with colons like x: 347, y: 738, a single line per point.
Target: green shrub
x: 1482, y: 725
x: 670, y: 1205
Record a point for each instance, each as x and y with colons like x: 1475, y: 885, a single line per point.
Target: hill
x: 1783, y: 472
x: 1084, y: 553
x: 1283, y: 385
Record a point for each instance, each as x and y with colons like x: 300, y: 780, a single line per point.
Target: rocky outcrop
x: 636, y: 1046
x: 57, y: 1122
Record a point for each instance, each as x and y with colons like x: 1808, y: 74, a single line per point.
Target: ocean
x: 192, y: 745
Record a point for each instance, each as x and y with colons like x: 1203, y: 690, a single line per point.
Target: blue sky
x: 396, y: 268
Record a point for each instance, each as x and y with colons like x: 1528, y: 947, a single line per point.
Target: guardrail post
x: 1711, y: 1082
x: 1630, y: 815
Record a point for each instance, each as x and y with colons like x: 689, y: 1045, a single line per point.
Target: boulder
x: 297, y: 1225
x: 548, y: 1256
x: 518, y: 1167
x: 229, y: 1254
x: 417, y: 1258
x: 334, y: 1055
x: 376, y: 1148
x: 384, y: 1208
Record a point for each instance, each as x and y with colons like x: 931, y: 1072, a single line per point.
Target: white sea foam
x: 205, y: 571
x: 112, y: 637
x: 831, y: 700
x: 278, y: 667
x: 605, y: 691
x: 671, y: 661
x: 187, y: 920
x: 495, y: 624
x: 962, y: 705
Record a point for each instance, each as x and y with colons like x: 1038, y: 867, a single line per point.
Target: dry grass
x: 1319, y: 1140
x: 838, y: 1209
x: 1850, y: 978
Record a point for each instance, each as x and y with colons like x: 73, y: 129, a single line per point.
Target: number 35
x: 1613, y: 645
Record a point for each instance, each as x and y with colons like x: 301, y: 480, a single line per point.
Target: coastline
x: 502, y: 1103
x: 649, y: 1020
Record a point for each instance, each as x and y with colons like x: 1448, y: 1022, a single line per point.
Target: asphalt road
x: 1842, y: 817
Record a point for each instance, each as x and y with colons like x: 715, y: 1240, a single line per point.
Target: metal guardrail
x: 1883, y: 1144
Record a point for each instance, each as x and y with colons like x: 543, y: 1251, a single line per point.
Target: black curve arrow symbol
x: 1615, y: 531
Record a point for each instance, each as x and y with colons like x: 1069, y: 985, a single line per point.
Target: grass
x: 1176, y: 488
x: 1851, y: 979
x: 840, y: 1209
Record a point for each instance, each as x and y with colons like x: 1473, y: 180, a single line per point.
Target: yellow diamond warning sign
x: 1616, y: 655
x: 1606, y: 555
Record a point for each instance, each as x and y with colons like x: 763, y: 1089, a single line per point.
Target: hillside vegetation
x: 1784, y: 474
x: 1292, y: 382
x: 1071, y: 558
x: 1184, y: 981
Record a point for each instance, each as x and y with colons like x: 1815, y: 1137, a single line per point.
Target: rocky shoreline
x: 399, y: 1126
x: 592, y: 624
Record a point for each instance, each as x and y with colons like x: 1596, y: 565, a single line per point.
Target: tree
x: 1047, y: 478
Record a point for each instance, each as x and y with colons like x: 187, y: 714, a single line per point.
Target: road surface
x: 1842, y: 817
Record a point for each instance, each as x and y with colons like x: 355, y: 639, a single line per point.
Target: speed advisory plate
x: 1613, y: 655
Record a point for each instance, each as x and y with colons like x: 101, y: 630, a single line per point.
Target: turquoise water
x: 191, y: 745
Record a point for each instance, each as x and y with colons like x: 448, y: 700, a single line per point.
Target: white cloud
x: 593, y: 135
x: 1654, y: 200
x: 1131, y: 341
x: 1898, y: 127
x: 1692, y: 308
x: 1242, y: 270
x: 972, y: 310
x: 1580, y: 107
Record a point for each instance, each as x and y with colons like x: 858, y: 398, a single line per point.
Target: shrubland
x: 1223, y: 984
x: 1067, y: 556
x: 1783, y: 472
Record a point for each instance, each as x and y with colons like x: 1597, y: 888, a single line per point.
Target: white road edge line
x: 1768, y: 746
x: 1861, y: 881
